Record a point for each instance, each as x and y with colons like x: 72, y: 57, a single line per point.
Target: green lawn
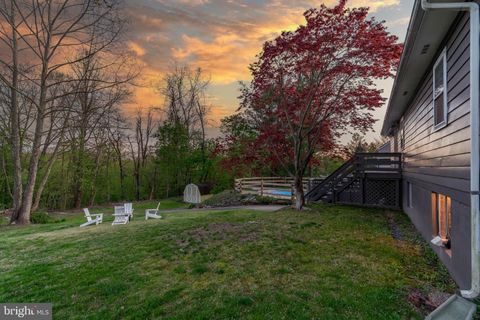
x: 331, y: 262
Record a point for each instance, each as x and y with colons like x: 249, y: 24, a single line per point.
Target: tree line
x: 64, y: 140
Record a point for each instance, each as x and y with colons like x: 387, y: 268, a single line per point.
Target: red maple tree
x: 313, y: 84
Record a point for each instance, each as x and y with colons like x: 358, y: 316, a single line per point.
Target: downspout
x: 473, y: 8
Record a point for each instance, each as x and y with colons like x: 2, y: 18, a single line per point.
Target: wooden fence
x: 275, y: 187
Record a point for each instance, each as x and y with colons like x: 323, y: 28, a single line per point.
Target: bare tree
x: 101, y: 89
x: 117, y: 138
x: 58, y: 123
x: 140, y: 146
x: 100, y: 140
x: 44, y: 34
x: 184, y: 91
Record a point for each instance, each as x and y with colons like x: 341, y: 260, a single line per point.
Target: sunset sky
x: 223, y: 37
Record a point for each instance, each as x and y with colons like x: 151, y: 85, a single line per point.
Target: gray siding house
x: 432, y: 119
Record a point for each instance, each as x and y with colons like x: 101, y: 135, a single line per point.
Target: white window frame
x: 437, y: 240
x: 447, y: 213
x: 441, y: 59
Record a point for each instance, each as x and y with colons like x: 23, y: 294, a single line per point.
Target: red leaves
x: 311, y: 85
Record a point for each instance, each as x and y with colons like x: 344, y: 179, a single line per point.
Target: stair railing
x: 360, y: 164
x: 330, y: 181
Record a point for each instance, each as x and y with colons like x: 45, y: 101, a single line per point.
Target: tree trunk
x: 153, y: 184
x: 137, y: 184
x: 299, y: 194
x: 92, y: 197
x: 79, y: 168
x: 202, y: 145
x: 95, y: 177
x: 14, y: 125
x: 63, y: 199
x: 67, y: 198
x: 27, y: 201
x: 77, y: 183
x: 122, y: 178
x: 5, y: 173
x: 51, y: 162
x: 43, y: 183
x: 107, y: 174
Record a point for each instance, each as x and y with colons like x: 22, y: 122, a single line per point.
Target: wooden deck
x: 367, y: 179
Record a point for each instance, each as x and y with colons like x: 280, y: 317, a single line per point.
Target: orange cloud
x: 226, y: 58
x: 194, y: 2
x: 136, y: 48
x: 222, y: 37
x: 229, y: 53
x: 375, y: 4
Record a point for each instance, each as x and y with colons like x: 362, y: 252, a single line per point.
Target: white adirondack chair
x: 120, y: 216
x: 129, y: 209
x: 92, y: 218
x: 153, y: 213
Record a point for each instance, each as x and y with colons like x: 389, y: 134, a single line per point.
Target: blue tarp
x: 280, y: 192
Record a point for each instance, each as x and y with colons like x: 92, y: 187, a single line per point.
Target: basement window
x: 441, y: 219
x: 440, y: 108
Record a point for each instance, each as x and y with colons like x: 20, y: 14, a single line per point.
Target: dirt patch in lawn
x: 215, y: 233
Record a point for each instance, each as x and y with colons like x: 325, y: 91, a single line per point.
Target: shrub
x: 43, y: 218
x: 40, y: 218
x: 229, y: 198
x: 265, y: 200
x: 224, y: 199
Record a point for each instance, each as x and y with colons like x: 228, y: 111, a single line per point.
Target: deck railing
x: 370, y: 179
x: 275, y: 187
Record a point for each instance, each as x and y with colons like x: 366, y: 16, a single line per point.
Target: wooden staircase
x: 369, y: 179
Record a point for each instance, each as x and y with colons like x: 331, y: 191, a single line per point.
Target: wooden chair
x: 92, y: 218
x: 120, y: 216
x: 153, y: 213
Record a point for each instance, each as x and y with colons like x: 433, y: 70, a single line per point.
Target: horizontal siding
x: 458, y: 120
x: 461, y: 173
x: 458, y: 39
x: 458, y: 97
x: 442, y: 157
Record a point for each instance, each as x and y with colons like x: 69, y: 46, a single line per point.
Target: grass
x: 331, y: 262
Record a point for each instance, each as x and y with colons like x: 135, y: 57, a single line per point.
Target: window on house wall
x: 441, y: 219
x: 440, y: 107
